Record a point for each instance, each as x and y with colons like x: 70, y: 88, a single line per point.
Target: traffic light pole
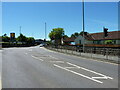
x: 104, y: 41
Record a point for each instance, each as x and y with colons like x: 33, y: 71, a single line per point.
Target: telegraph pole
x: 83, y: 26
x: 45, y: 31
x: 20, y: 29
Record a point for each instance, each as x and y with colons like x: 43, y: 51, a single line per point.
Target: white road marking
x: 26, y: 53
x: 53, y: 57
x: 57, y: 61
x: 100, y: 77
x: 90, y: 71
x: 70, y: 67
x: 78, y: 74
x: 37, y: 58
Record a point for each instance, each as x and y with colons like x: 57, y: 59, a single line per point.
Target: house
x: 113, y: 38
x: 69, y: 41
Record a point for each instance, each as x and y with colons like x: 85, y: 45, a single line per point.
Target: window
x: 79, y: 41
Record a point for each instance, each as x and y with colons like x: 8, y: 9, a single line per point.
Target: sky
x: 31, y: 16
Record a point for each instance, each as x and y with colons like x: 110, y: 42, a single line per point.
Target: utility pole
x: 20, y: 29
x: 45, y: 31
x: 83, y: 26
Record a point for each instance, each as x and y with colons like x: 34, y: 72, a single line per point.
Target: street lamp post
x: 83, y: 25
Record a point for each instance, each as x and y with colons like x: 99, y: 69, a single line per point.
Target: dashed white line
x: 37, y: 58
x: 78, y: 74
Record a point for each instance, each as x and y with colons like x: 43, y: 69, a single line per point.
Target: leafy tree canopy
x: 76, y: 34
x: 22, y: 38
x: 5, y: 38
x: 56, y: 33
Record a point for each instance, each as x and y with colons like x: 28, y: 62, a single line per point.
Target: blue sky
x: 31, y: 16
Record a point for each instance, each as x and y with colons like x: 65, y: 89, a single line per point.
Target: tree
x: 76, y: 34
x: 65, y: 36
x: 85, y: 33
x: 5, y: 38
x: 57, y: 34
x: 30, y: 40
x: 22, y: 38
x: 109, y: 42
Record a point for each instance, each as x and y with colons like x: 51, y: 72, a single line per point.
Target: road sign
x: 12, y: 36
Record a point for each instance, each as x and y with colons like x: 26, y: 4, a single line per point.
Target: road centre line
x: 90, y: 71
x: 37, y: 58
x: 78, y: 74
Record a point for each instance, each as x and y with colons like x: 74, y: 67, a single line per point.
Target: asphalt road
x: 35, y: 67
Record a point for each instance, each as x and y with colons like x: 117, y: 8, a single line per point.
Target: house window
x: 79, y: 41
x: 114, y: 42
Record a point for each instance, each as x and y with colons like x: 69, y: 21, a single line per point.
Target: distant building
x: 98, y: 38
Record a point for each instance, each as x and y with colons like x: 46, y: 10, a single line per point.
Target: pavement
x: 37, y: 67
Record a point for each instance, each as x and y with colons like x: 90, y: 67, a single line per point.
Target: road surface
x: 37, y: 67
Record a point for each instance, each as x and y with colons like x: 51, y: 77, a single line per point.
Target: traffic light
x: 105, y: 32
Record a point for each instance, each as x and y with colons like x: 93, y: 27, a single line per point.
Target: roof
x: 100, y: 36
x: 69, y: 39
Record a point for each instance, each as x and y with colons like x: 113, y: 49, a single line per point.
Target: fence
x: 93, y: 52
